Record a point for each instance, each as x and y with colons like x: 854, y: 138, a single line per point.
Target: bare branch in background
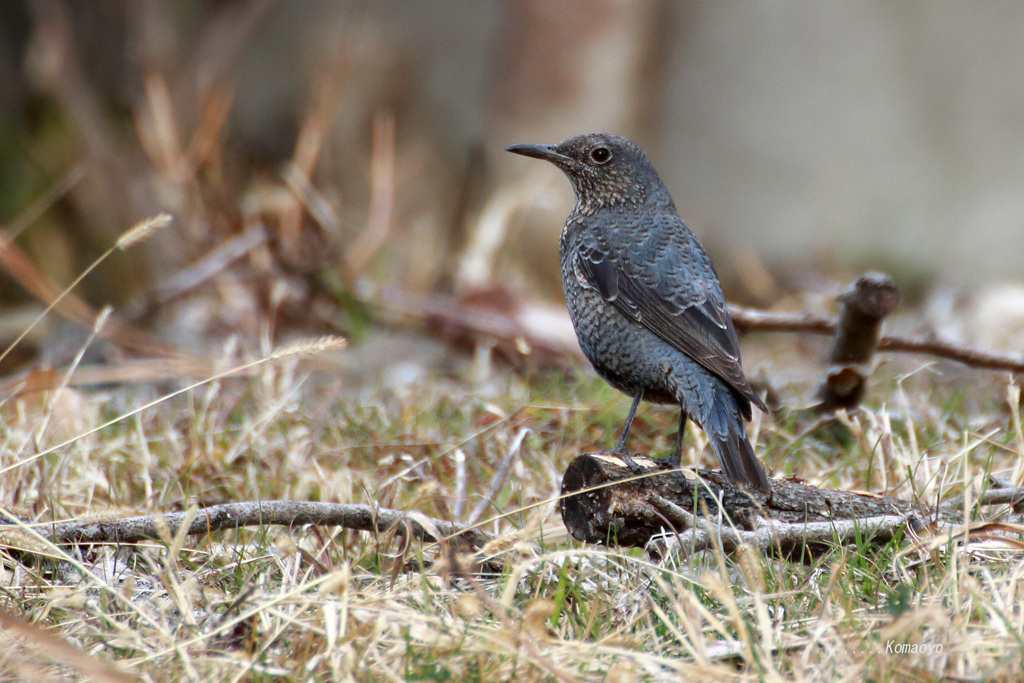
x: 757, y: 320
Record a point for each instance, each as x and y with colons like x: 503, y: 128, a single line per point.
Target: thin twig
x: 499, y: 477
x: 993, y: 496
x: 785, y: 535
x: 297, y: 349
x: 382, y: 197
x: 42, y: 204
x: 252, y: 513
x: 758, y: 320
x: 312, y: 134
x: 460, y: 483
x: 67, y: 303
x: 931, y: 345
x: 90, y: 665
x: 217, y: 260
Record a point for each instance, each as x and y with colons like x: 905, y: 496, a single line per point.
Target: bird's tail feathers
x: 736, y: 458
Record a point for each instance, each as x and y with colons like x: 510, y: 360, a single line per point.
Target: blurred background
x: 339, y: 166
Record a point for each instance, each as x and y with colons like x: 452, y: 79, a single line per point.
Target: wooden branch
x: 1000, y: 493
x: 931, y: 345
x: 1000, y: 483
x: 862, y: 309
x: 785, y: 538
x: 233, y: 515
x: 757, y: 320
x: 605, y: 503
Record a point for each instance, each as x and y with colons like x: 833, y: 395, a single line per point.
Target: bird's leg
x: 677, y: 455
x: 674, y: 459
x: 620, y: 447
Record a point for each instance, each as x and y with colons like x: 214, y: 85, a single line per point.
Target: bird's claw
x: 624, y: 456
x: 666, y: 462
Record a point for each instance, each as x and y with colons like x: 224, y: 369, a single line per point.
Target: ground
x: 314, y: 603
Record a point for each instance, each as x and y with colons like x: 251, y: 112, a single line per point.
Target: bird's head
x: 605, y: 170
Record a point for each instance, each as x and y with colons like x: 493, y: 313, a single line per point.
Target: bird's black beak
x: 545, y: 152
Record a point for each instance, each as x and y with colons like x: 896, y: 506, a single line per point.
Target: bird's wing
x: 666, y: 290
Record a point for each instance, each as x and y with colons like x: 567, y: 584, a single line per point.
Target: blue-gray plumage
x: 645, y: 301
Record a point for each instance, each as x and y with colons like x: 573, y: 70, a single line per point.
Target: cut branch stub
x: 613, y: 507
x: 862, y: 308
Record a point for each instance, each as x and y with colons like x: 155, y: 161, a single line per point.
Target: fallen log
x: 603, y: 501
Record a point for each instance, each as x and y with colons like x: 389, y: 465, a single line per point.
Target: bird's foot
x: 623, y: 454
x: 666, y: 462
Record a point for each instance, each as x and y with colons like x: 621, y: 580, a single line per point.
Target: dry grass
x: 326, y: 604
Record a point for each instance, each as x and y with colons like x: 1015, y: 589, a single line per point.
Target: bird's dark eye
x: 601, y: 155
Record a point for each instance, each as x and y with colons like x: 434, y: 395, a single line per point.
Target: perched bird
x: 646, y: 302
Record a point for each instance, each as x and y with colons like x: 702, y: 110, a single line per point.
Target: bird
x: 645, y: 300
